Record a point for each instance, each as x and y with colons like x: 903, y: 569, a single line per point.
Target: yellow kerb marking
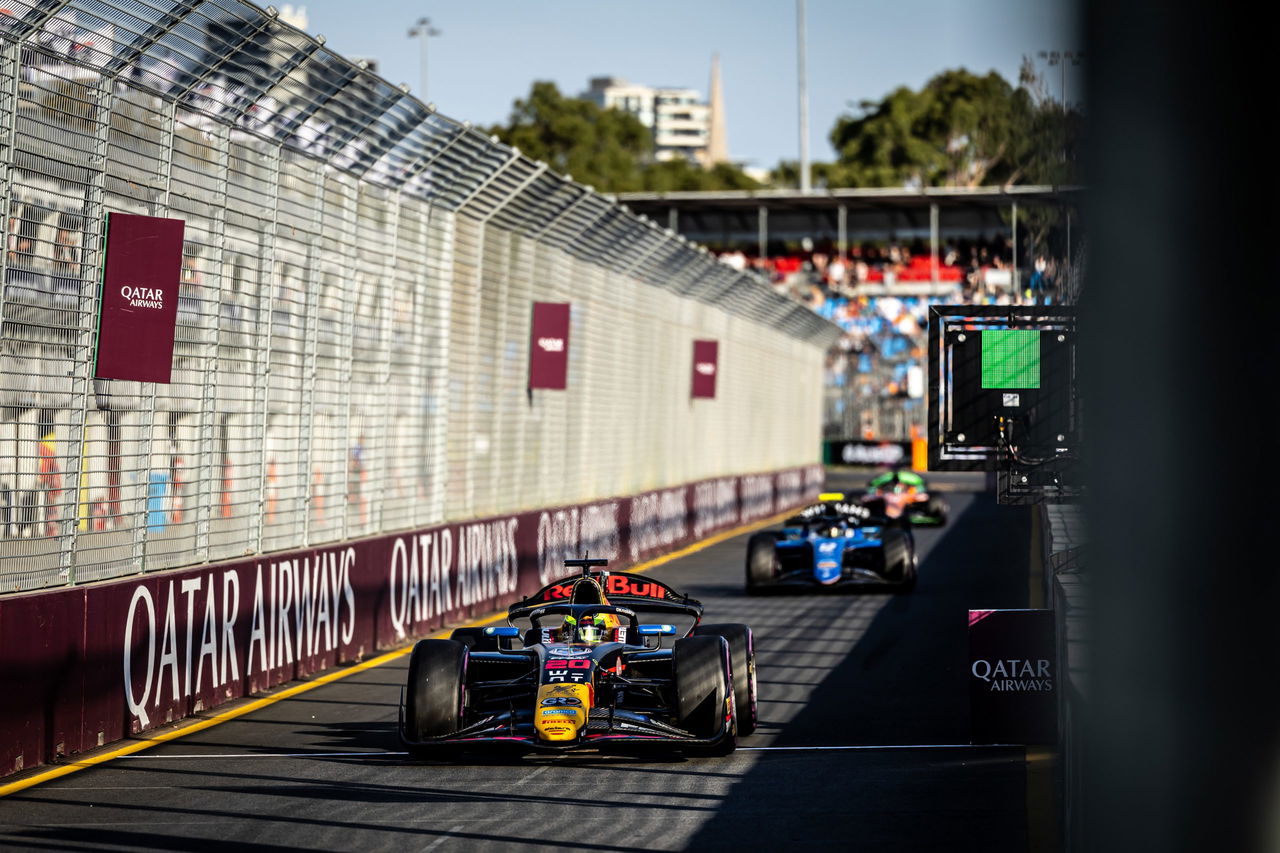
x: 185, y: 729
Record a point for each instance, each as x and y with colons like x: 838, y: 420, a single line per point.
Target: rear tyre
x: 703, y: 683
x: 762, y: 561
x: 742, y: 655
x: 909, y: 584
x: 899, y: 564
x: 937, y: 510
x: 433, y: 703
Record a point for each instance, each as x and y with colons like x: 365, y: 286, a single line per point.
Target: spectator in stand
x: 837, y: 273
x: 735, y: 259
x: 1037, y: 284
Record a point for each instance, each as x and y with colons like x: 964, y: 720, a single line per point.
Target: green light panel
x: 1011, y: 358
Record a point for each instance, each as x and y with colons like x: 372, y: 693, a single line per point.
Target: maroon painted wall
x: 88, y: 665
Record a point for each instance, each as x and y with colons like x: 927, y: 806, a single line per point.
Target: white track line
x: 861, y: 747
x: 442, y: 839
x: 869, y: 747
x: 263, y: 755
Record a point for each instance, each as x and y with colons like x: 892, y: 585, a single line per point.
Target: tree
x: 599, y: 147
x: 883, y: 146
x: 605, y: 148
x: 961, y: 129
x: 681, y: 175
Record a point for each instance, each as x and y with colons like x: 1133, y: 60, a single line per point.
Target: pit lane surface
x: 861, y: 698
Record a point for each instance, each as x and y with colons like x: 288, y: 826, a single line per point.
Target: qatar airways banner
x: 139, y: 311
x: 705, y: 365
x: 89, y: 665
x: 549, y: 346
x: 1013, y: 676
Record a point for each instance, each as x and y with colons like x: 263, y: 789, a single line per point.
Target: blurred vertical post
x: 422, y: 30
x: 803, y: 84
x: 1183, y: 749
x: 933, y: 243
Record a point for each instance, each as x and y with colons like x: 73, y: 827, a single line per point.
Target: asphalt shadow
x: 902, y: 685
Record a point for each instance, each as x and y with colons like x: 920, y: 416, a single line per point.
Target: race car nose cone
x: 561, y: 711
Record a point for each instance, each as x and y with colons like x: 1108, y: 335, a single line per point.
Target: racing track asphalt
x: 861, y: 745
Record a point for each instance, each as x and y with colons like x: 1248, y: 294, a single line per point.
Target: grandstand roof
x: 870, y: 213
x: 855, y: 198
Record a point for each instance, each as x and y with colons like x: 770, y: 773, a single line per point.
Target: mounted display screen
x: 1011, y: 358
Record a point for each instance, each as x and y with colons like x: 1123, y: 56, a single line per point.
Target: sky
x: 489, y: 52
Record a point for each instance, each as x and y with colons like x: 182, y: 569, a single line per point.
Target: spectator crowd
x: 880, y: 296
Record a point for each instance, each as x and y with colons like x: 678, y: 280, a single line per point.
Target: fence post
x: 266, y: 312
x: 349, y: 211
x: 311, y: 363
x: 211, y: 438
x: 385, y: 430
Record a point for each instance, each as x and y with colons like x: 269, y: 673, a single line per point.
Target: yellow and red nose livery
x: 562, y: 709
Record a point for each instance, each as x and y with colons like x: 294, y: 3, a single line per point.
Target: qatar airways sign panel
x: 1013, y: 678
x: 549, y: 346
x: 706, y: 364
x: 139, y: 298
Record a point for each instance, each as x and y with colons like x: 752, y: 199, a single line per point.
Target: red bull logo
x: 613, y: 585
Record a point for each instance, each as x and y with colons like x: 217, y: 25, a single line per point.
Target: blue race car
x: 833, y: 543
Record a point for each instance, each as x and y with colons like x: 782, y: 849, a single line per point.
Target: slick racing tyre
x: 899, y: 559
x: 762, y: 561
x: 742, y: 654
x: 433, y: 704
x: 936, y: 510
x: 702, y: 676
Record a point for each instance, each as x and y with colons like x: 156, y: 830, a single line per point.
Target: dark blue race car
x: 833, y: 543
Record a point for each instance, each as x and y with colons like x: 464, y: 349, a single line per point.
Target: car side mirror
x: 503, y: 634
x: 652, y: 634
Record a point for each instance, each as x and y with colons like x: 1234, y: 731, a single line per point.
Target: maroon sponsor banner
x: 90, y: 665
x: 139, y: 298
x: 1013, y: 676
x: 706, y: 363
x: 549, y: 345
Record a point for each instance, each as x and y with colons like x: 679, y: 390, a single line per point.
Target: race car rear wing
x: 621, y: 588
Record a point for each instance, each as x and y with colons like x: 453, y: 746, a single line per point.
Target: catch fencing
x: 353, y: 310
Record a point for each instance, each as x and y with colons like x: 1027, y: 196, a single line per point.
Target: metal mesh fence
x: 354, y: 307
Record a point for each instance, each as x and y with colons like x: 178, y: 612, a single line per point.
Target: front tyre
x: 704, y: 699
x: 437, y: 674
x: 742, y: 655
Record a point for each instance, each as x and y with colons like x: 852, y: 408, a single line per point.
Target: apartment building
x: 679, y: 118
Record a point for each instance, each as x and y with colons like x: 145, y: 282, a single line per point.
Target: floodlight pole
x: 422, y: 30
x: 804, y: 98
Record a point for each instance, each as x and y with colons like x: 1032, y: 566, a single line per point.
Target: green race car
x: 902, y: 492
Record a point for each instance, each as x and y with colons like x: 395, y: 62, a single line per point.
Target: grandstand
x: 873, y: 261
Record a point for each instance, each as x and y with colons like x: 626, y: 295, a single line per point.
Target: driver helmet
x: 591, y: 629
x: 835, y: 531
